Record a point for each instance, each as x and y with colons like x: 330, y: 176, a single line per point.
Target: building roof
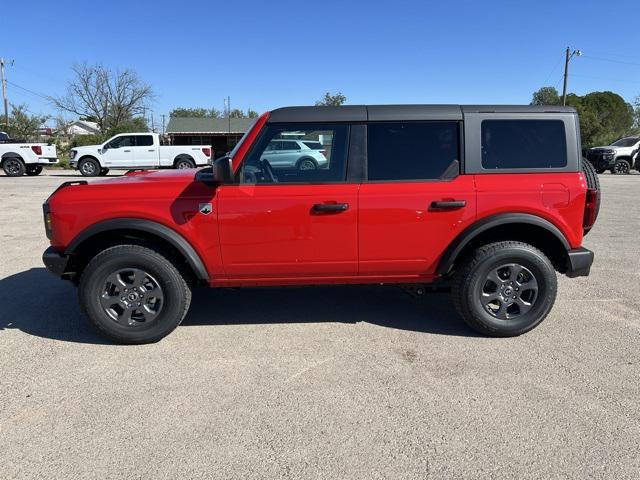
x: 196, y: 125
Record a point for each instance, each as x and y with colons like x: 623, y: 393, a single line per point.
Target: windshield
x: 626, y: 142
x: 241, y: 141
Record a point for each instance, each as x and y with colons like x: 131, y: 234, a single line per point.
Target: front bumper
x: 55, y: 261
x: 580, y: 260
x: 601, y: 163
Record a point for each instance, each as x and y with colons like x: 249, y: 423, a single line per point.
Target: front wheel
x: 13, y: 167
x: 621, y: 167
x: 133, y: 295
x: 505, y: 289
x: 34, y: 170
x: 89, y: 167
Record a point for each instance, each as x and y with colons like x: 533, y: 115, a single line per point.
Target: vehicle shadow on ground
x: 37, y: 303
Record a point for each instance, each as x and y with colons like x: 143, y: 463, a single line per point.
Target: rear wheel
x: 89, y: 167
x: 307, y: 164
x: 505, y: 289
x: 133, y: 295
x: 621, y: 167
x: 13, y: 167
x: 183, y: 163
x: 34, y: 170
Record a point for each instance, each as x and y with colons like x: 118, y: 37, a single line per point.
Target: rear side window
x: 523, y: 144
x: 412, y: 150
x: 314, y: 145
x: 144, y: 140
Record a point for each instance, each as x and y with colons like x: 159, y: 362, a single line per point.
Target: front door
x: 287, y: 223
x: 119, y: 151
x: 414, y: 202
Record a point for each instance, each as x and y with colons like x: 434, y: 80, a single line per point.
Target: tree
x: 23, y: 124
x: 195, y: 112
x: 332, y: 100
x: 111, y: 97
x: 546, y: 96
x: 251, y: 113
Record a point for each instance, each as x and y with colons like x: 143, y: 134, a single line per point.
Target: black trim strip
x: 171, y: 236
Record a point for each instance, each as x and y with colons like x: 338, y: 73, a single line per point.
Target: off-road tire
x: 89, y: 167
x: 13, y: 167
x: 471, y: 275
x: 621, y: 167
x: 174, y: 287
x: 34, y: 170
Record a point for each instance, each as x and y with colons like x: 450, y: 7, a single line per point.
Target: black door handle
x: 330, y: 207
x: 448, y: 204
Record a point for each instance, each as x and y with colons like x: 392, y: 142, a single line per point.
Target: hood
x: 140, y: 177
x: 88, y: 148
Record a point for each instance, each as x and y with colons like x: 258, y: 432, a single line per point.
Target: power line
x: 602, y: 59
x: 554, y: 69
x: 27, y: 90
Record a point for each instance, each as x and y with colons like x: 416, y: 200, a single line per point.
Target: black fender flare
x: 462, y: 240
x: 148, y: 226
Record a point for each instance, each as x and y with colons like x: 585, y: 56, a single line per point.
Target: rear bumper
x: 55, y: 261
x: 580, y: 260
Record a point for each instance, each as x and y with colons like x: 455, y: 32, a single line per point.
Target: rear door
x: 414, y: 200
x: 145, y: 153
x: 283, y: 223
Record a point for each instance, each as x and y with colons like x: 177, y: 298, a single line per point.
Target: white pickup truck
x: 18, y: 158
x: 136, y: 150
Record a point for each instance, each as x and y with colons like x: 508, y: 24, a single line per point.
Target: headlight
x: 72, y: 154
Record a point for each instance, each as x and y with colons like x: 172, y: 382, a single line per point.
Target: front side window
x: 279, y: 156
x: 144, y: 140
x: 523, y: 144
x: 412, y: 150
x: 123, y: 141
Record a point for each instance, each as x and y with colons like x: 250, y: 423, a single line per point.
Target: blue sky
x: 266, y: 54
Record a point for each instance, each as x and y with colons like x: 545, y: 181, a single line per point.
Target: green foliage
x: 332, y: 100
x: 546, y: 96
x: 604, y: 116
x: 22, y: 124
x: 82, y: 140
x: 133, y: 125
x: 195, y: 112
x: 251, y: 113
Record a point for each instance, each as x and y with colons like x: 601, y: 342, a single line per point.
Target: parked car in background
x: 619, y: 157
x: 136, y: 150
x: 487, y: 200
x: 295, y: 154
x: 18, y: 158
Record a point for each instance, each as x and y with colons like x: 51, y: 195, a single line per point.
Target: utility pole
x: 4, y: 92
x: 163, y: 115
x: 229, y: 113
x: 569, y: 56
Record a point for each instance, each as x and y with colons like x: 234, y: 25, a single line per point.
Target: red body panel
x: 270, y: 230
x: 400, y: 234
x: 556, y: 197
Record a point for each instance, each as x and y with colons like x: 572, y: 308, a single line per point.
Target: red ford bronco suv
x: 491, y: 201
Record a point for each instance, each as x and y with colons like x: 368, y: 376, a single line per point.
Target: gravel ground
x: 325, y: 382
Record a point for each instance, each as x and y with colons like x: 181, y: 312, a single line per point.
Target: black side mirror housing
x: 218, y: 174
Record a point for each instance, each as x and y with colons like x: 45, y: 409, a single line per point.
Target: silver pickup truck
x: 619, y: 157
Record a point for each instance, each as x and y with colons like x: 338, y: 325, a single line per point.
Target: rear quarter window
x: 523, y: 144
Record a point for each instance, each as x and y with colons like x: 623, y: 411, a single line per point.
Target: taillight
x: 591, y: 208
x: 323, y: 152
x: 206, y: 151
x: 37, y: 149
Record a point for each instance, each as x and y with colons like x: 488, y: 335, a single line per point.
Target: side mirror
x: 105, y: 147
x: 219, y: 173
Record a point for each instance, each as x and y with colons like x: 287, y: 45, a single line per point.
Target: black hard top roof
x: 363, y: 113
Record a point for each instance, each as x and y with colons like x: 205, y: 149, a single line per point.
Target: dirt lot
x: 341, y: 382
